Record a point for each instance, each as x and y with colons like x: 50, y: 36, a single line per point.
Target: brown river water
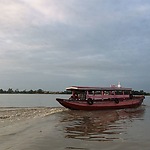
x: 94, y: 130
x: 125, y: 129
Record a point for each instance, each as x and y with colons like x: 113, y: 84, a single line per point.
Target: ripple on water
x: 107, y: 125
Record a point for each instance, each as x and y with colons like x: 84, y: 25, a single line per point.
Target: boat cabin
x: 99, y: 93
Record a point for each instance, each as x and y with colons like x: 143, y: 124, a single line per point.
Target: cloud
x: 74, y: 42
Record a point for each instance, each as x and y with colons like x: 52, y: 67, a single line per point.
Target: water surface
x: 30, y: 100
x: 87, y: 130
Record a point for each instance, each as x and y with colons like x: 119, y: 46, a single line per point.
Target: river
x: 82, y: 130
x: 30, y: 100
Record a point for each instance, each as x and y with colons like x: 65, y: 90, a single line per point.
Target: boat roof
x: 89, y: 88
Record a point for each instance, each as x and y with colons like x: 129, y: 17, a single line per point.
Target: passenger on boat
x: 74, y: 96
x: 82, y: 96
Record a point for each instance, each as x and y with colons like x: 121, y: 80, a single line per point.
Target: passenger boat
x: 100, y: 98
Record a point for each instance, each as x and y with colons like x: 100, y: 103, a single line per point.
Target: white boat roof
x: 88, y: 88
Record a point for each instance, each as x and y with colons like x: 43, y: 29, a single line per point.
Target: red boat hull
x: 101, y: 105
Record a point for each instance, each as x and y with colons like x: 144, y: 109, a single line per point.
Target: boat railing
x: 107, y: 97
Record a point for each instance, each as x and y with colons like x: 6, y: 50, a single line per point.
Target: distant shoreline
x: 35, y: 93
x: 39, y: 91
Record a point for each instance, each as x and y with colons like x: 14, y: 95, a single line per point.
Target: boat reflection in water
x: 105, y: 125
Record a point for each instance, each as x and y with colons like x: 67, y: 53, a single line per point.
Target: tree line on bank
x: 40, y: 91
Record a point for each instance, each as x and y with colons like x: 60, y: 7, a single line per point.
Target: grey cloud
x: 86, y: 42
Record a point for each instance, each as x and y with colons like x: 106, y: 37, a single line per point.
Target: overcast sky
x: 52, y: 44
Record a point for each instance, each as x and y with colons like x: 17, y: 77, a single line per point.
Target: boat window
x: 91, y: 92
x: 82, y: 95
x: 119, y: 92
x: 127, y: 92
x: 98, y: 93
x: 106, y: 93
x: 111, y: 92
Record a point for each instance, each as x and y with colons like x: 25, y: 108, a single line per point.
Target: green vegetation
x: 141, y: 92
x: 40, y: 91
